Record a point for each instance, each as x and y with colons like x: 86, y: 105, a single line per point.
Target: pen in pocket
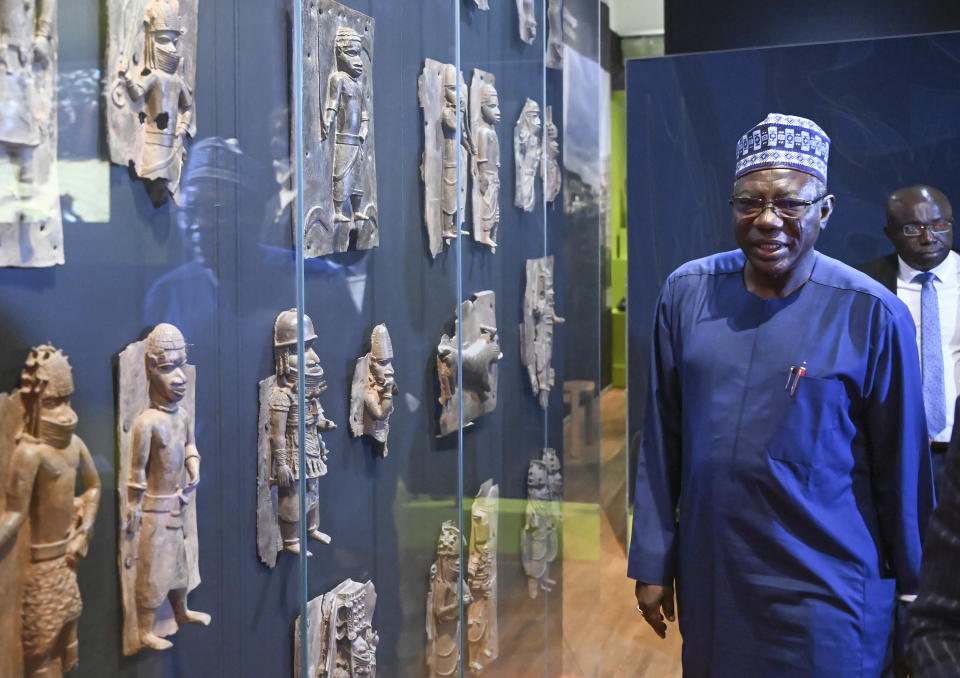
x: 793, y: 377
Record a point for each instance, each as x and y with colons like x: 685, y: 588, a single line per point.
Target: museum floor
x: 608, y: 639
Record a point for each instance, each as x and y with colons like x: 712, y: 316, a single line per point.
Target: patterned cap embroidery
x: 784, y: 141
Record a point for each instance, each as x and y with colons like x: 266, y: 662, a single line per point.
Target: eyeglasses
x: 914, y: 230
x: 785, y: 208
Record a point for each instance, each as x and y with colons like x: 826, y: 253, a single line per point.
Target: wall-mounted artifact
x: 551, y: 462
x: 31, y: 232
x: 484, y: 114
x: 527, y: 17
x: 151, y: 71
x: 373, y: 391
x: 157, y: 479
x: 442, y: 146
x: 536, y: 330
x: 481, y: 351
x: 340, y: 173
x: 483, y: 638
x: 526, y: 155
x: 552, y: 178
x: 278, y: 446
x: 341, y: 641
x: 540, y: 538
x: 45, y: 526
x: 443, y: 605
x: 554, y: 58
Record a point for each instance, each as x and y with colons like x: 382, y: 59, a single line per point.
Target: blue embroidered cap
x: 784, y: 141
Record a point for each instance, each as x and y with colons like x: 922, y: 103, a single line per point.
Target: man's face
x: 449, y: 566
x: 535, y: 123
x: 772, y: 244
x: 552, y: 462
x: 382, y: 371
x: 168, y: 380
x: 450, y: 84
x: 310, y: 359
x: 490, y: 108
x: 56, y: 409
x: 166, y: 41
x: 481, y: 526
x: 927, y: 250
x: 348, y: 59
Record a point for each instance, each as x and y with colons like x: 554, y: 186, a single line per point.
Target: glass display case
x: 306, y: 306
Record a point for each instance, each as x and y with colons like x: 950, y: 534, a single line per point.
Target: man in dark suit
x: 925, y: 274
x: 883, y: 270
x: 933, y: 621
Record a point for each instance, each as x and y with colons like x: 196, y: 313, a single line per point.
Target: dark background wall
x: 891, y: 107
x: 701, y: 26
x: 704, y: 25
x: 138, y: 268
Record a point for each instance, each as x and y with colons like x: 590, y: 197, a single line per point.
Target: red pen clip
x: 793, y: 378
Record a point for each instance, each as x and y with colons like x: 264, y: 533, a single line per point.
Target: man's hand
x: 41, y: 51
x: 386, y: 402
x: 284, y: 476
x: 133, y: 518
x: 650, y: 598
x: 77, y: 548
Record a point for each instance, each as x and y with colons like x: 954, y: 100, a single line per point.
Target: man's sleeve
x: 900, y: 466
x: 652, y: 558
x: 933, y: 621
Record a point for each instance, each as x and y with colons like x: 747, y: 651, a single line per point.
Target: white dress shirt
x: 947, y: 284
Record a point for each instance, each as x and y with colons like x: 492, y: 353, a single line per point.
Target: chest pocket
x: 807, y: 423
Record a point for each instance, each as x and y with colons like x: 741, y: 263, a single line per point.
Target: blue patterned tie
x: 931, y: 355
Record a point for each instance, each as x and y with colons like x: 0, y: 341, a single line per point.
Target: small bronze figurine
x: 158, y: 504
x: 483, y: 636
x: 45, y: 517
x: 340, y: 175
x: 484, y: 115
x: 443, y: 605
x: 526, y: 153
x: 443, y: 147
x: 152, y: 111
x: 552, y: 177
x: 481, y: 352
x: 279, y: 442
x: 540, y: 541
x: 536, y: 330
x: 527, y: 18
x: 341, y: 640
x: 373, y: 390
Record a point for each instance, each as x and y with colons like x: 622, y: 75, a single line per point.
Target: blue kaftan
x: 790, y: 523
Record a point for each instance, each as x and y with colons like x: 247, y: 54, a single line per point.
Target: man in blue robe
x: 784, y: 478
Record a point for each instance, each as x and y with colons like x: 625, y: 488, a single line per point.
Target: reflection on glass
x: 30, y: 230
x: 186, y: 293
x: 84, y: 177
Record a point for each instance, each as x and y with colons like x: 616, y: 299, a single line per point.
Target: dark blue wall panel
x: 890, y: 106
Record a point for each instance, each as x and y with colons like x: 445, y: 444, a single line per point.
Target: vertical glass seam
x: 297, y: 117
x: 543, y: 165
x: 543, y: 199
x: 459, y: 301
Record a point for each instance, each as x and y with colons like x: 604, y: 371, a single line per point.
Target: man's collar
x: 944, y: 271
